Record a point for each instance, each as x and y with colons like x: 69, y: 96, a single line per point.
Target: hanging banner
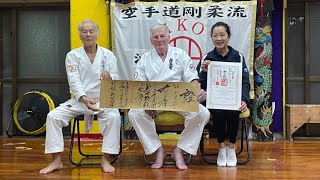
x: 190, y: 28
x: 262, y: 103
x: 149, y: 95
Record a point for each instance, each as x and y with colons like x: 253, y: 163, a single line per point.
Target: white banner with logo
x: 190, y: 27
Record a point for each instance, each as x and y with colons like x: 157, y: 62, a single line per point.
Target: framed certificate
x: 224, y: 85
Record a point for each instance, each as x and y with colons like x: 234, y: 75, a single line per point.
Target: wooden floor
x: 22, y: 158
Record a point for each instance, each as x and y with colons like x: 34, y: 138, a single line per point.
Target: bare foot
x: 56, y: 164
x: 161, y: 154
x: 178, y: 157
x: 105, y: 164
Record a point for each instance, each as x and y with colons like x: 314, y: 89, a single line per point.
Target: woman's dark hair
x: 226, y: 26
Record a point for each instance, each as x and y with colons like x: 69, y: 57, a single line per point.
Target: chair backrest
x: 169, y: 122
x: 245, y: 114
x: 173, y: 122
x: 169, y: 118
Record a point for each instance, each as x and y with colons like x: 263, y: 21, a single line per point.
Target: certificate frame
x: 224, y: 85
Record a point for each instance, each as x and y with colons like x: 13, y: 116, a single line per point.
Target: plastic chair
x: 244, y: 137
x: 76, y: 123
x: 169, y: 122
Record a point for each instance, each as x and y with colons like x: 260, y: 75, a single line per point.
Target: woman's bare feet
x: 178, y: 157
x: 161, y: 154
x: 105, y: 164
x: 56, y: 164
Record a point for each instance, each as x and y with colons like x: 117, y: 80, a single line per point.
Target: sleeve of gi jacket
x: 73, y: 74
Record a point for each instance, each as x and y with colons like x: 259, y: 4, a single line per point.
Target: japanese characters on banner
x: 190, y: 27
x: 150, y: 95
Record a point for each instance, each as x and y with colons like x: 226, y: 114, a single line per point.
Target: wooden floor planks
x: 22, y: 158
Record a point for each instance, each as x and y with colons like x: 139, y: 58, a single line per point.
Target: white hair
x: 88, y: 21
x: 159, y: 26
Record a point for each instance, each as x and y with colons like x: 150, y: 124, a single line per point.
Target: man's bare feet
x: 56, y: 164
x: 178, y: 157
x: 105, y: 164
x: 161, y: 154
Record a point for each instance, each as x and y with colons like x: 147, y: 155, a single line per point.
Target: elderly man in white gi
x: 85, y: 67
x: 168, y: 64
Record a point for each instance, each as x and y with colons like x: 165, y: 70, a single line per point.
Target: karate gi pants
x: 190, y: 137
x: 109, y: 125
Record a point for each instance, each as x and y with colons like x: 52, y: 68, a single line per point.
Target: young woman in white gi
x: 168, y: 64
x: 85, y: 67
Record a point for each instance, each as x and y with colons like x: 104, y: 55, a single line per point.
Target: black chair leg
x: 79, y: 143
x: 71, y: 145
x: 245, y: 132
x: 87, y: 156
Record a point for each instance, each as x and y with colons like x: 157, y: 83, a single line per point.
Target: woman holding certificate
x: 226, y: 121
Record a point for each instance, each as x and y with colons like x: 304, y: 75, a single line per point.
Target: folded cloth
x: 88, y: 120
x: 89, y: 117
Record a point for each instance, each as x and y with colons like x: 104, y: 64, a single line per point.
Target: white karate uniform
x: 84, y: 79
x: 177, y: 67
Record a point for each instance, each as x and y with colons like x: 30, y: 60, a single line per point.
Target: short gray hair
x: 159, y: 26
x: 88, y: 21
